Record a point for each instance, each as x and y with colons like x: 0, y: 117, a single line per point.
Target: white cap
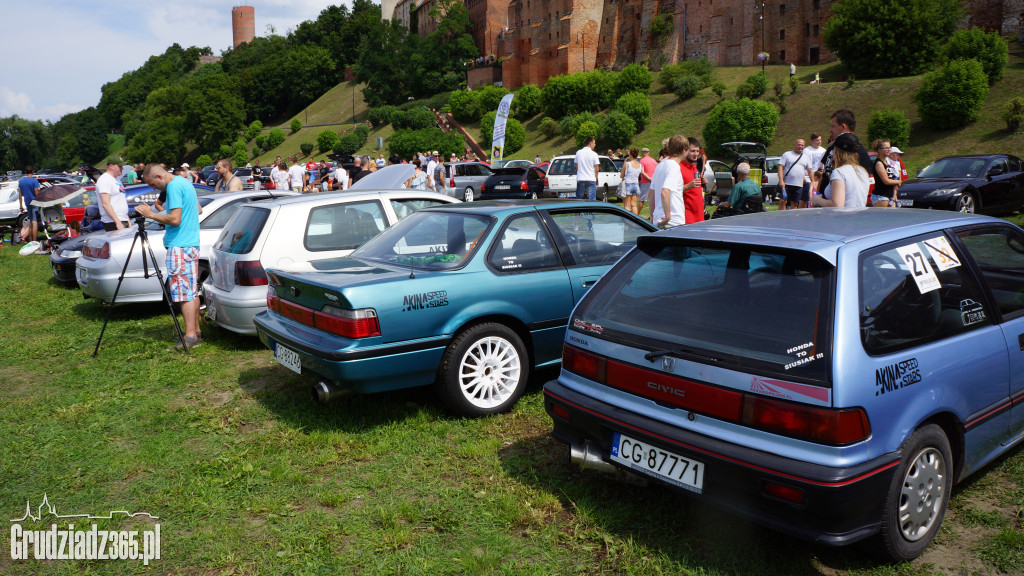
x: 895, y: 150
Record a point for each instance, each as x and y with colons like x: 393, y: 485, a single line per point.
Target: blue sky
x: 57, y: 54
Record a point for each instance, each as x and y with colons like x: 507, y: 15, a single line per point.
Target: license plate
x: 567, y: 195
x: 906, y: 202
x: 211, y: 309
x: 502, y: 187
x: 288, y: 358
x: 653, y: 461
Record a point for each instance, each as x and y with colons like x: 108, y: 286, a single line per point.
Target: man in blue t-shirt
x: 181, y: 238
x: 28, y: 187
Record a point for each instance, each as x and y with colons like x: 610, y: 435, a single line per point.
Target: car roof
x: 498, y: 207
x: 298, y: 199
x: 819, y: 230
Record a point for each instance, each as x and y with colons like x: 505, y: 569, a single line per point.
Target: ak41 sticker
x: 424, y: 300
x: 896, y: 375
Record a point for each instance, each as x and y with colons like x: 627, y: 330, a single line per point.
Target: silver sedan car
x: 103, y: 256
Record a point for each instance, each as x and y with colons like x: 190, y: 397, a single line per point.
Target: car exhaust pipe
x: 325, y: 391
x: 588, y: 458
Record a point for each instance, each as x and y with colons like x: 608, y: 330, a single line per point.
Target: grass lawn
x: 249, y: 476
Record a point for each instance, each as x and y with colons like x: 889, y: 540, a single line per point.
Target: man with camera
x: 181, y: 238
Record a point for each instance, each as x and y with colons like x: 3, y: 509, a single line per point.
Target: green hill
x: 808, y: 111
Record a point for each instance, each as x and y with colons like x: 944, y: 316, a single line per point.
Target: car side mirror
x: 995, y: 171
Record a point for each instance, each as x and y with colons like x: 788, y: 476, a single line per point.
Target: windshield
x: 953, y: 168
x: 428, y: 240
x: 709, y: 302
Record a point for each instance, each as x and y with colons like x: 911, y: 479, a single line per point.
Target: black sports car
x: 990, y: 183
x: 519, y: 182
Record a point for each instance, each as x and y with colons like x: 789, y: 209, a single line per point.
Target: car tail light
x: 360, y: 323
x: 250, y: 273
x: 101, y: 253
x: 452, y: 183
x: 817, y: 424
x: 523, y: 186
x: 764, y: 179
x: 546, y: 183
x: 812, y: 423
x: 483, y: 186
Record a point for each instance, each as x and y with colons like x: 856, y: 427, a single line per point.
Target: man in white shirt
x: 341, y: 177
x: 296, y: 173
x: 587, y: 168
x: 794, y: 168
x: 113, y: 204
x: 667, y: 185
x: 816, y: 153
x: 431, y: 165
x: 275, y: 169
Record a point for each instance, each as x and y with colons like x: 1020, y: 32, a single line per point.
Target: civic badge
x: 293, y: 290
x: 668, y: 363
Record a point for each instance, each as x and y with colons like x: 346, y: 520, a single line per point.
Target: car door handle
x: 1020, y: 340
x: 588, y: 282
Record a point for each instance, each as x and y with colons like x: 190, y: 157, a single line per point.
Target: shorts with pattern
x: 182, y: 270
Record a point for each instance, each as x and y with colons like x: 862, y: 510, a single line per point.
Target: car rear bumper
x: 841, y: 505
x: 234, y: 314
x: 361, y: 369
x: 101, y: 282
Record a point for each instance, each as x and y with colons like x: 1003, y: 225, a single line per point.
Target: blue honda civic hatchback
x: 827, y: 373
x: 467, y: 297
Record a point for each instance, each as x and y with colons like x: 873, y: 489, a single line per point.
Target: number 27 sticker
x: 919, y: 267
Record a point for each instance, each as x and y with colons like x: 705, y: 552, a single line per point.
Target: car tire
x: 918, y: 495
x: 201, y: 278
x: 967, y: 203
x: 467, y: 194
x: 483, y: 371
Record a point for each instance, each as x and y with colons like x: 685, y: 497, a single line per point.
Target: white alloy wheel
x: 484, y: 370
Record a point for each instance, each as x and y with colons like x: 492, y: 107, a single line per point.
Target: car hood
x: 918, y: 186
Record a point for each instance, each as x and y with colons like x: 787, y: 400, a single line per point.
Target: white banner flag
x: 498, y: 138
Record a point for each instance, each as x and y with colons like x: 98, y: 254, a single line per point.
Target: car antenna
x: 412, y: 261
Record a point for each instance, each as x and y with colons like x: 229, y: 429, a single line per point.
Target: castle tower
x: 387, y: 9
x: 243, y: 24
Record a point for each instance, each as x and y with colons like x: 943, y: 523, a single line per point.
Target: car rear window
x: 745, y: 307
x: 428, y: 240
x: 562, y: 167
x: 240, y: 233
x: 344, y: 226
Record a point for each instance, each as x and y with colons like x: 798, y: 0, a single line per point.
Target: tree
x: 890, y: 124
x: 515, y: 134
x: 632, y: 78
x: 162, y: 135
x: 908, y: 33
x: 739, y: 120
x: 384, y: 54
x: 618, y: 130
x: 526, y: 104
x: 326, y: 139
x: 275, y: 138
x: 465, y: 106
x: 636, y: 105
x: 952, y: 96
x: 587, y: 129
x: 295, y: 125
x: 988, y: 48
x: 254, y: 129
x: 213, y: 111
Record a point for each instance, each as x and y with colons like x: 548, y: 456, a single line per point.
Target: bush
x: 560, y: 96
x: 253, y: 130
x: 597, y: 86
x: 701, y: 68
x: 952, y: 96
x: 465, y: 106
x: 240, y: 158
x: 414, y: 119
x: 306, y: 148
x: 565, y: 127
x: 203, y: 160
x: 515, y: 134
x: 348, y: 144
x: 490, y: 96
x: 256, y: 151
x: 296, y: 125
x: 618, y: 130
x: 686, y: 86
x: 226, y: 151
x: 718, y: 87
x: 632, y: 78
x: 326, y: 140
x: 363, y: 131
x: 526, y: 104
x: 793, y: 84
x: 580, y: 119
x: 1014, y: 114
x: 261, y: 141
x: 548, y: 127
x: 407, y: 143
x: 739, y: 120
x: 988, y: 48
x: 753, y: 87
x: 275, y: 138
x: 588, y: 128
x: 890, y: 124
x: 381, y: 116
x: 636, y: 105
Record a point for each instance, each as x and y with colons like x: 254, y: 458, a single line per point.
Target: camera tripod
x: 142, y: 239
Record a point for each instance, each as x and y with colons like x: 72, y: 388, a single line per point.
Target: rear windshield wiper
x: 655, y: 354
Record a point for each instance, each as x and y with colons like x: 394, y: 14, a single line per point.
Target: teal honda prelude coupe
x: 467, y: 297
